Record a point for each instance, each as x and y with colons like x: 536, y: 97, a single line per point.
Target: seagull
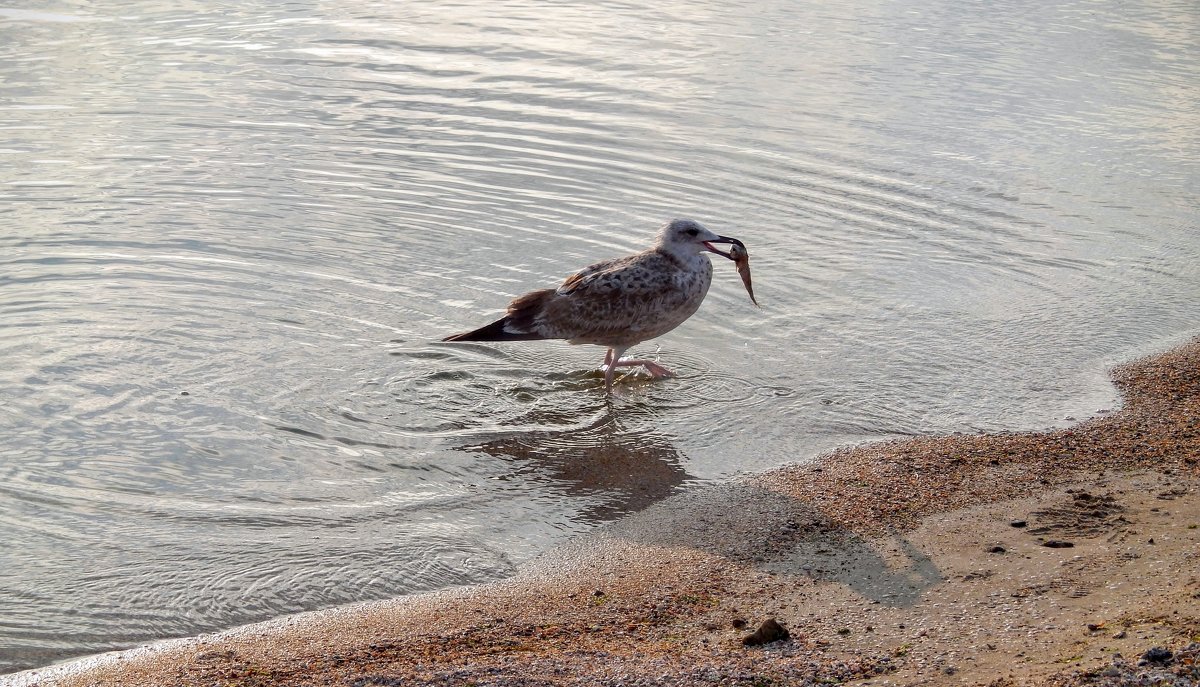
x: 618, y: 303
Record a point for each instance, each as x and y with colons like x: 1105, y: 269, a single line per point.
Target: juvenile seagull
x: 618, y: 303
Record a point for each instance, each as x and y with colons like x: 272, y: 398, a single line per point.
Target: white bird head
x: 687, y: 237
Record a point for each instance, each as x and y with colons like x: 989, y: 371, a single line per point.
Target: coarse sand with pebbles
x: 1064, y: 558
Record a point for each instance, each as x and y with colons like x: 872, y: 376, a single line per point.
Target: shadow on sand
x: 620, y: 469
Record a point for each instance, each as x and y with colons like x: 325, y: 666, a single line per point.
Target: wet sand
x: 992, y: 560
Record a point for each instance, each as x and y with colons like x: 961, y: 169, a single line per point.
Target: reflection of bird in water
x: 618, y: 303
x: 614, y: 470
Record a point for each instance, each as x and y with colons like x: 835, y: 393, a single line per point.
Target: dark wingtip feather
x: 494, y: 332
x: 516, y: 326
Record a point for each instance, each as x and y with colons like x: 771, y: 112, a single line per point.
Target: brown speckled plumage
x: 617, y: 303
x: 625, y: 301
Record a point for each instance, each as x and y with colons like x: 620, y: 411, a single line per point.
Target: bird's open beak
x: 723, y: 239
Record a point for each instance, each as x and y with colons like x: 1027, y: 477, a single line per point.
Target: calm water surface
x: 230, y: 233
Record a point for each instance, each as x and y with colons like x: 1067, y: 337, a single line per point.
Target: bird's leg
x: 656, y: 371
x: 611, y: 359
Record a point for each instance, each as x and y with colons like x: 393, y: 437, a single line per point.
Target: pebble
x: 1157, y: 656
x: 769, y: 631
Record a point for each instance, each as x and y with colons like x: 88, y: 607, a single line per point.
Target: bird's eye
x: 692, y: 232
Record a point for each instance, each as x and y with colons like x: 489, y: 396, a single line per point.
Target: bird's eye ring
x: 692, y: 232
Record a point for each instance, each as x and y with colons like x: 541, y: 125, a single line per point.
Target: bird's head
x: 687, y: 237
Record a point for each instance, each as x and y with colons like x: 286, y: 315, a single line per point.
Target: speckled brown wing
x: 621, y: 302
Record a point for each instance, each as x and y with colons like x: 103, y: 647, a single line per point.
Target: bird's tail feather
x: 519, y: 324
x: 500, y: 330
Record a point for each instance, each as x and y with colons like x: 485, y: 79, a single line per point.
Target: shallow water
x: 230, y: 234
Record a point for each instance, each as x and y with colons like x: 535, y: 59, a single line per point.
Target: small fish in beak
x: 741, y: 258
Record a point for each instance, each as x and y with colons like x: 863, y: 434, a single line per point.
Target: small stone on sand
x: 769, y: 631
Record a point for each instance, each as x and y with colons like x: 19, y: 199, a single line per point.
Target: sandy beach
x: 1067, y: 557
